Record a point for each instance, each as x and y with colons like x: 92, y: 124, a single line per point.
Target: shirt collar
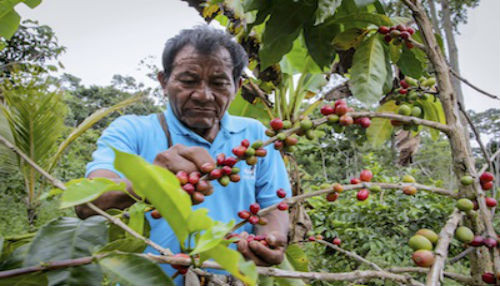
x: 227, y: 123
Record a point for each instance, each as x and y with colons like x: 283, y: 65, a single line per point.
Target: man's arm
x: 177, y: 158
x: 108, y: 200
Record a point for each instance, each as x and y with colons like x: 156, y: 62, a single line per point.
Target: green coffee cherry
x: 404, y: 110
x: 416, y: 111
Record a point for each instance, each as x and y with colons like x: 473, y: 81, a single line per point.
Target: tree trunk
x: 452, y: 49
x: 434, y: 17
x: 463, y: 161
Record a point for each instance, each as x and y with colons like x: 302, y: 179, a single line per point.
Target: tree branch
x: 441, y: 250
x: 57, y: 183
x: 454, y: 276
x: 455, y: 74
x: 460, y: 255
x: 406, y: 119
x: 296, y: 199
x: 351, y: 254
x: 476, y: 134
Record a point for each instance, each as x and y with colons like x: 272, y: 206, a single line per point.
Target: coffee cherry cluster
x: 337, y: 189
x: 192, y: 184
x: 409, y: 190
x: 397, y: 34
x: 251, y: 215
x: 423, y: 242
x: 250, y: 153
x: 283, y: 142
x: 260, y: 238
x: 315, y: 237
x: 337, y: 114
x: 364, y: 176
x: 479, y: 241
x: 486, y: 181
x: 410, y: 90
x: 251, y: 237
x: 225, y: 171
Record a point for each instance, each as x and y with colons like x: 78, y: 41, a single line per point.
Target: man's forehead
x: 190, y: 54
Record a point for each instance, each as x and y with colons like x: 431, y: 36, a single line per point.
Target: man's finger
x: 247, y: 253
x: 197, y: 155
x: 264, y: 253
x: 172, y: 161
x: 276, y: 241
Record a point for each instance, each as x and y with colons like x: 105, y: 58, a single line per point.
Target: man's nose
x: 204, y: 93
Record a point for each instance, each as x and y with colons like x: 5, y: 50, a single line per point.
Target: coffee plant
x: 297, y: 50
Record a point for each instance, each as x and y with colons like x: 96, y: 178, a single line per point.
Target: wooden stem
x: 441, y: 250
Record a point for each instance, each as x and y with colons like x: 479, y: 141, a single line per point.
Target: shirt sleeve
x: 271, y: 176
x: 120, y: 134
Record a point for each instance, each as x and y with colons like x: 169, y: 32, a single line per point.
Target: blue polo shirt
x: 143, y: 136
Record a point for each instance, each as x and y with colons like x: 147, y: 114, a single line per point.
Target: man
x: 202, y: 73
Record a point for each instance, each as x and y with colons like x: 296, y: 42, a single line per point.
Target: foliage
x: 31, y: 49
x: 9, y: 18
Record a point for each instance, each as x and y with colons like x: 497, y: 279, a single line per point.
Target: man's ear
x: 239, y: 84
x: 161, y: 78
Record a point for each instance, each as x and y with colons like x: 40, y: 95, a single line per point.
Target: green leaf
x: 51, y: 194
x: 395, y: 52
x: 297, y: 258
x: 85, y: 190
x: 160, y: 187
x: 389, y: 79
x: 380, y: 129
x: 131, y: 269
x: 286, y: 265
x: 409, y: 64
x: 368, y: 72
x: 363, y: 17
x: 32, y: 3
x: 199, y: 220
x: 298, y: 60
x: 350, y: 38
x: 232, y: 261
x: 124, y: 245
x: 318, y: 40
x: 32, y: 279
x: 240, y: 107
x: 9, y: 24
x: 69, y: 238
x: 282, y: 28
x: 136, y: 221
x: 433, y: 110
x: 212, y: 237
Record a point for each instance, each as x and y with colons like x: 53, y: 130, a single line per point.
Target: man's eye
x: 220, y: 83
x: 188, y: 81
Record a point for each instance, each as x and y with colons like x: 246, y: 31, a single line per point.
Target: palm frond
x: 36, y: 119
x: 8, y: 159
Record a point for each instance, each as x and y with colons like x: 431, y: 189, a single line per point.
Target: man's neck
x: 208, y: 134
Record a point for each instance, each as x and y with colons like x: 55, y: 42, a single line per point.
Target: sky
x: 108, y: 37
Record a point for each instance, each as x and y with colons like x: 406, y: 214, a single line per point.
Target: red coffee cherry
x: 254, y: 208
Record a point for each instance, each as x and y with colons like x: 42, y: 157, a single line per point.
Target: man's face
x: 200, y: 87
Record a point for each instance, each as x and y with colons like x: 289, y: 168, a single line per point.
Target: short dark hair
x: 205, y: 40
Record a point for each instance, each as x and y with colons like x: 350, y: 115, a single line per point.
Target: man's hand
x: 262, y: 255
x: 188, y: 159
